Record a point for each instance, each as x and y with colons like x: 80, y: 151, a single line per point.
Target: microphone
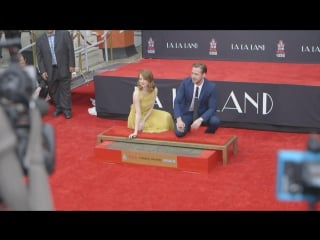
x: 41, y: 104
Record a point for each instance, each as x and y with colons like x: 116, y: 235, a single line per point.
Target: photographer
x: 41, y: 86
x: 13, y: 193
x: 26, y: 144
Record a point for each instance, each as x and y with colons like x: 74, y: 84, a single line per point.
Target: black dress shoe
x: 56, y: 113
x: 67, y: 114
x: 210, y: 130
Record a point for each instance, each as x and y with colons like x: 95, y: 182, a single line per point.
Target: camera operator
x: 13, y: 192
x: 298, y: 173
x: 26, y: 144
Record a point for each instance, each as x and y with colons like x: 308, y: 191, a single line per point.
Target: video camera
x: 17, y: 85
x: 298, y: 173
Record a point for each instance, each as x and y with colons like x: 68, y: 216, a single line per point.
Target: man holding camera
x: 27, y: 148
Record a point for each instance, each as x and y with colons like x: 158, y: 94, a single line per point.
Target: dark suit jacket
x: 64, y: 51
x: 207, y: 99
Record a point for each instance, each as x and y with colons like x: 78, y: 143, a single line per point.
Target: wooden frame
x: 232, y: 141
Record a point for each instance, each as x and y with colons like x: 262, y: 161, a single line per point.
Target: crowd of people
x: 194, y: 105
x: 55, y: 65
x: 27, y: 144
x: 23, y: 136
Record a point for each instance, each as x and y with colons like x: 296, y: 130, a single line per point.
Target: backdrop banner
x: 251, y: 105
x: 295, y: 46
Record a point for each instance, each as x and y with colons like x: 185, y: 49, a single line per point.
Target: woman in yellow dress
x: 143, y: 117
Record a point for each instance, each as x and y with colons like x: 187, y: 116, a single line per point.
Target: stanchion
x: 80, y: 57
x: 34, y: 54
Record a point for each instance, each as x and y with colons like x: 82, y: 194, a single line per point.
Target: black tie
x: 196, y: 104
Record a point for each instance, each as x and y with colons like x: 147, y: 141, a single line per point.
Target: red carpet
x: 258, y: 72
x: 248, y: 182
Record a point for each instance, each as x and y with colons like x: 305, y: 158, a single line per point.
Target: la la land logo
x: 213, y: 48
x: 280, y: 50
x: 151, y: 49
x: 310, y: 49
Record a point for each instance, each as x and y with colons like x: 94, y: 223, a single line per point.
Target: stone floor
x: 182, y: 151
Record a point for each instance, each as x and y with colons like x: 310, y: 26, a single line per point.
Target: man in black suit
x: 56, y: 62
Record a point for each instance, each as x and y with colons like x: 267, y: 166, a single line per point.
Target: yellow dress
x: 158, y: 121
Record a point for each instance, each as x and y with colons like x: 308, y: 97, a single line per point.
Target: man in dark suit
x: 56, y: 62
x: 191, y: 111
